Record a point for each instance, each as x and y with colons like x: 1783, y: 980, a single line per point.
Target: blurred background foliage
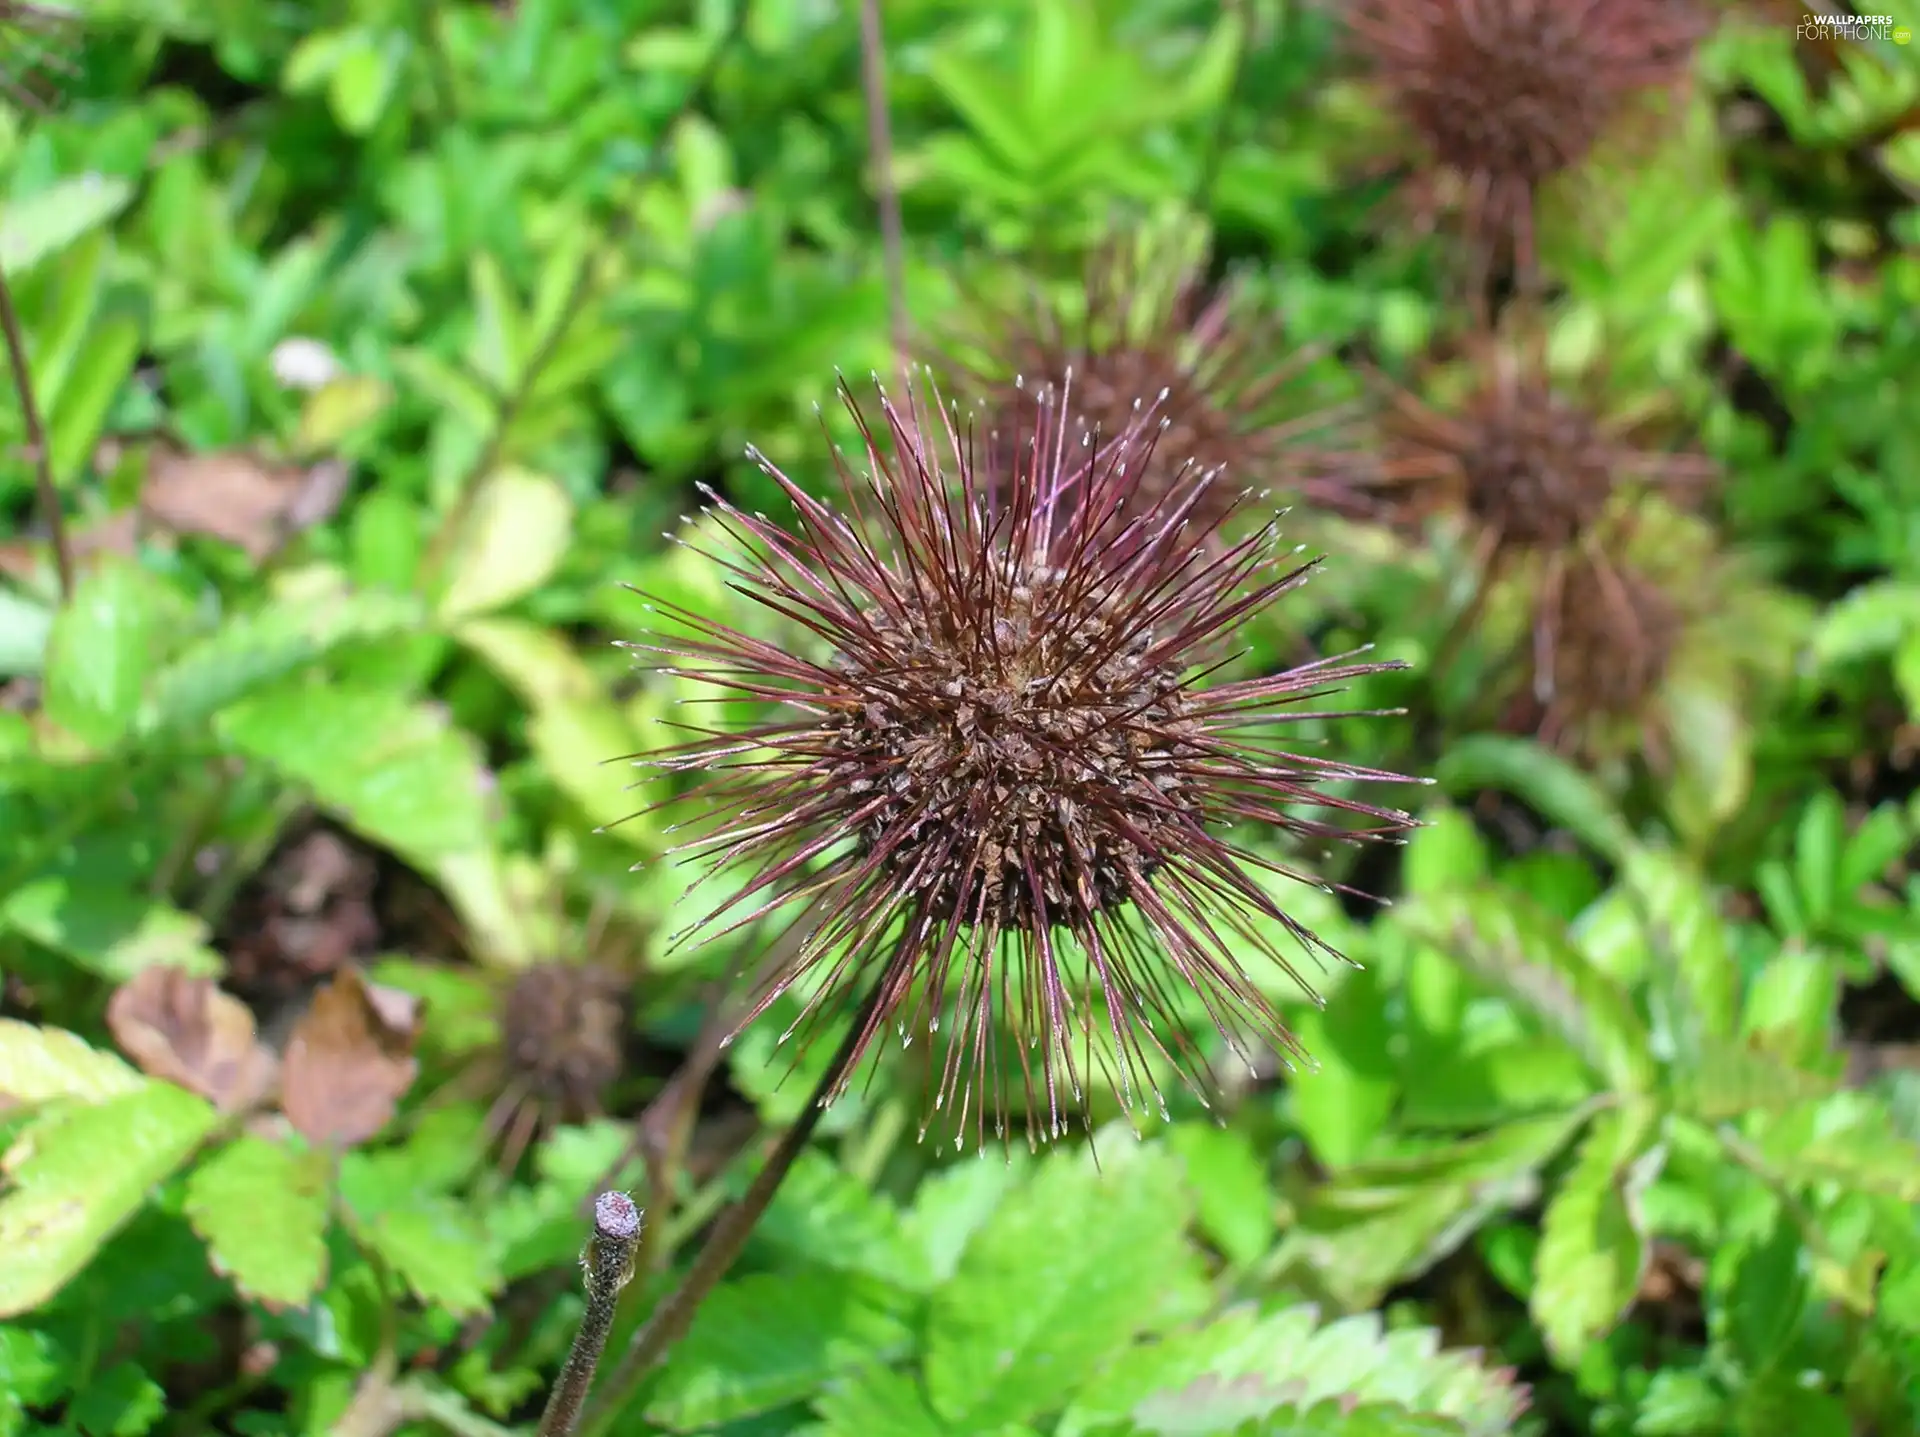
x: 378, y: 342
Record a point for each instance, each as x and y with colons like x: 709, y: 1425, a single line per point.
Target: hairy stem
x: 609, y: 1263
x: 36, y: 441
x: 873, y: 81
x: 669, y: 1322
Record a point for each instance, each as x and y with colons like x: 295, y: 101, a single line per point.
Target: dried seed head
x: 1529, y: 462
x: 1609, y: 636
x: 1502, y: 96
x: 1002, y: 786
x: 1234, y: 397
x: 562, y: 1027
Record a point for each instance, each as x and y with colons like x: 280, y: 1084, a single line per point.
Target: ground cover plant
x: 1276, y: 645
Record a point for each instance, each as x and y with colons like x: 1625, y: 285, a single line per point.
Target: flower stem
x: 37, y: 442
x: 669, y: 1322
x: 609, y: 1263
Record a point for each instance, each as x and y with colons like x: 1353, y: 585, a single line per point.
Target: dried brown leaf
x: 238, y: 497
x: 185, y: 1030
x: 350, y: 1060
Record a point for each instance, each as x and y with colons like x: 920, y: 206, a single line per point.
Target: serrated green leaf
x: 77, y: 1173
x: 262, y: 1211
x: 38, y: 1065
x: 1848, y: 1139
x: 877, y: 1399
x: 830, y: 1219
x: 764, y: 1341
x: 393, y: 770
x: 1511, y: 943
x: 1687, y: 926
x: 953, y: 1204
x: 1289, y: 1359
x: 515, y: 533
x: 252, y: 650
x: 102, y: 647
x: 1065, y: 1271
x: 438, y: 1248
x: 1593, y: 1252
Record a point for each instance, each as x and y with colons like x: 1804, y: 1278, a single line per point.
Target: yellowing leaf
x: 38, y: 1065
x: 514, y: 535
x: 77, y: 1174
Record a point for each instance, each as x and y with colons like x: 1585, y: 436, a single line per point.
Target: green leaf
x: 1509, y: 942
x: 262, y: 1211
x: 1231, y: 1189
x: 1870, y: 619
x: 1240, y: 1366
x: 38, y: 1065
x: 1688, y: 927
x: 585, y: 747
x: 830, y: 1219
x: 764, y: 1341
x: 45, y: 223
x: 102, y: 648
x: 1561, y: 793
x: 1593, y: 1252
x: 107, y: 930
x: 1063, y: 1273
x: 1848, y: 1139
x: 77, y: 1173
x: 438, y: 1248
x: 255, y: 649
x: 1762, y: 1304
x: 123, y: 1401
x: 395, y: 771
x: 1382, y: 1222
x: 876, y: 1400
x: 515, y: 533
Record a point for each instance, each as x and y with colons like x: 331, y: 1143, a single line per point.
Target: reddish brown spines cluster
x: 1003, y: 792
x: 1232, y: 396
x: 1532, y: 464
x: 562, y: 1033
x: 1503, y: 96
x: 1606, y: 638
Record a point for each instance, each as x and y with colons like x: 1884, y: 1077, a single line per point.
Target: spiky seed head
x: 1503, y: 96
x: 1528, y: 461
x: 1001, y: 792
x: 1608, y: 642
x: 1235, y: 397
x: 562, y: 1035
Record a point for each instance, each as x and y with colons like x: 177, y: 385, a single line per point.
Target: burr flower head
x: 1530, y: 462
x: 1610, y: 633
x: 1502, y: 96
x: 1236, y: 395
x: 999, y: 796
x: 562, y: 1027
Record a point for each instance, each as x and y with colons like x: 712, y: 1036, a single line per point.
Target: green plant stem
x: 609, y: 1263
x: 669, y: 1322
x: 37, y: 441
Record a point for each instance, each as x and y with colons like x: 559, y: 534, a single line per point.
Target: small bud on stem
x: 608, y: 1260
